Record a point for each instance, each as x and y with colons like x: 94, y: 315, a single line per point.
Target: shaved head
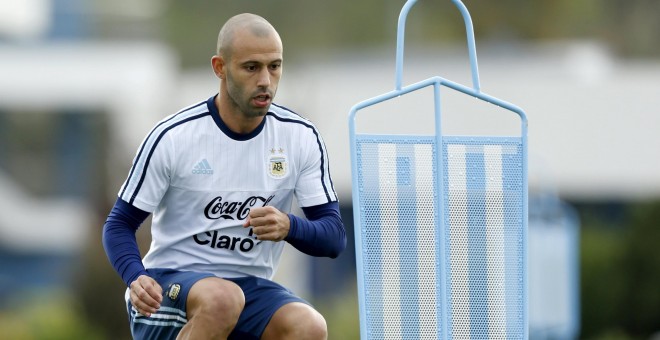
x: 248, y: 62
x: 252, y: 23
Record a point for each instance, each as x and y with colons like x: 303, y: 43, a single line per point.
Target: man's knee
x: 316, y: 327
x: 216, y: 298
x: 297, y: 321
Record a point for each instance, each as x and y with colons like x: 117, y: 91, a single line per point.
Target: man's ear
x: 218, y: 64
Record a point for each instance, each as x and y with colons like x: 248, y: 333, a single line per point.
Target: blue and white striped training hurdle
x: 440, y: 223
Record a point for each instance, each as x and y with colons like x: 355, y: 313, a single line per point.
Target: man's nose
x: 264, y: 78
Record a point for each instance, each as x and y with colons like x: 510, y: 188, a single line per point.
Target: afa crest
x: 278, y: 166
x: 173, y: 291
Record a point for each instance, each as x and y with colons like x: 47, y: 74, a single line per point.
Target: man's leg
x: 213, y: 307
x: 297, y: 321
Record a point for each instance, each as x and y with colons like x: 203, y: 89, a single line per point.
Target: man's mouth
x: 262, y: 100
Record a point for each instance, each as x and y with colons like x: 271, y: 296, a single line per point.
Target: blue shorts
x: 262, y: 299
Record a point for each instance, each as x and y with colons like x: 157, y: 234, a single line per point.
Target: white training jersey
x: 200, y: 179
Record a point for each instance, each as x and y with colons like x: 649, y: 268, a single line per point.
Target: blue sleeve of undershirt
x: 120, y: 243
x: 321, y: 234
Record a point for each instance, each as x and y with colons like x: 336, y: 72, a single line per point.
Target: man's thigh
x: 262, y: 299
x: 171, y: 317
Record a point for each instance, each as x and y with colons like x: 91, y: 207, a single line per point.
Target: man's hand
x: 146, y: 295
x: 268, y: 223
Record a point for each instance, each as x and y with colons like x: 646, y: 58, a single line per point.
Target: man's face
x: 253, y: 72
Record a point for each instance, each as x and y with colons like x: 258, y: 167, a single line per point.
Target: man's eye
x: 251, y: 68
x: 275, y: 66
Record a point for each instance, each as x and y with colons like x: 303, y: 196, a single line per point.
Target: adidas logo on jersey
x: 202, y: 168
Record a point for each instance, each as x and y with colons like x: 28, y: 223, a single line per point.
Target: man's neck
x: 234, y: 119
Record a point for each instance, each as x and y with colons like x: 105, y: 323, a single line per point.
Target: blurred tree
x: 620, y: 270
x: 641, y: 270
x: 633, y: 26
x: 602, y: 285
x: 191, y: 27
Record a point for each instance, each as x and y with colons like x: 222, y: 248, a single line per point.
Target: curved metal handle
x: 470, y: 41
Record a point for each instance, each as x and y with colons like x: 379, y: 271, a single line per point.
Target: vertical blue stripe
x: 512, y: 186
x: 513, y: 190
x: 370, y: 216
x: 447, y: 316
x: 408, y: 240
x: 478, y: 271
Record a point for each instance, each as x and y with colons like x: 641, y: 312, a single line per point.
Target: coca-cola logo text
x: 218, y: 208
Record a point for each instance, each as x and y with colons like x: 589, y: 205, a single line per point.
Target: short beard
x: 247, y: 111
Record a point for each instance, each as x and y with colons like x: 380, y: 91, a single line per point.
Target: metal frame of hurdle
x: 440, y: 221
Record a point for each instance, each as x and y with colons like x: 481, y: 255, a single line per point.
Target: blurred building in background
x: 82, y: 82
x: 554, y: 268
x: 47, y: 160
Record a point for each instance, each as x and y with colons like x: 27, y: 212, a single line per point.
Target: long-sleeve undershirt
x: 321, y: 234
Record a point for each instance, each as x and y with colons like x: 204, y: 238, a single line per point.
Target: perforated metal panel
x: 440, y: 222
x: 398, y: 212
x: 475, y: 276
x: 484, y: 237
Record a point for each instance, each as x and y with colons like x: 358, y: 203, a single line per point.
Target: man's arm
x: 120, y: 243
x: 321, y: 234
x: 122, y: 250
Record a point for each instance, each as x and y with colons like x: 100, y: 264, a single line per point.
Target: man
x: 220, y: 177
